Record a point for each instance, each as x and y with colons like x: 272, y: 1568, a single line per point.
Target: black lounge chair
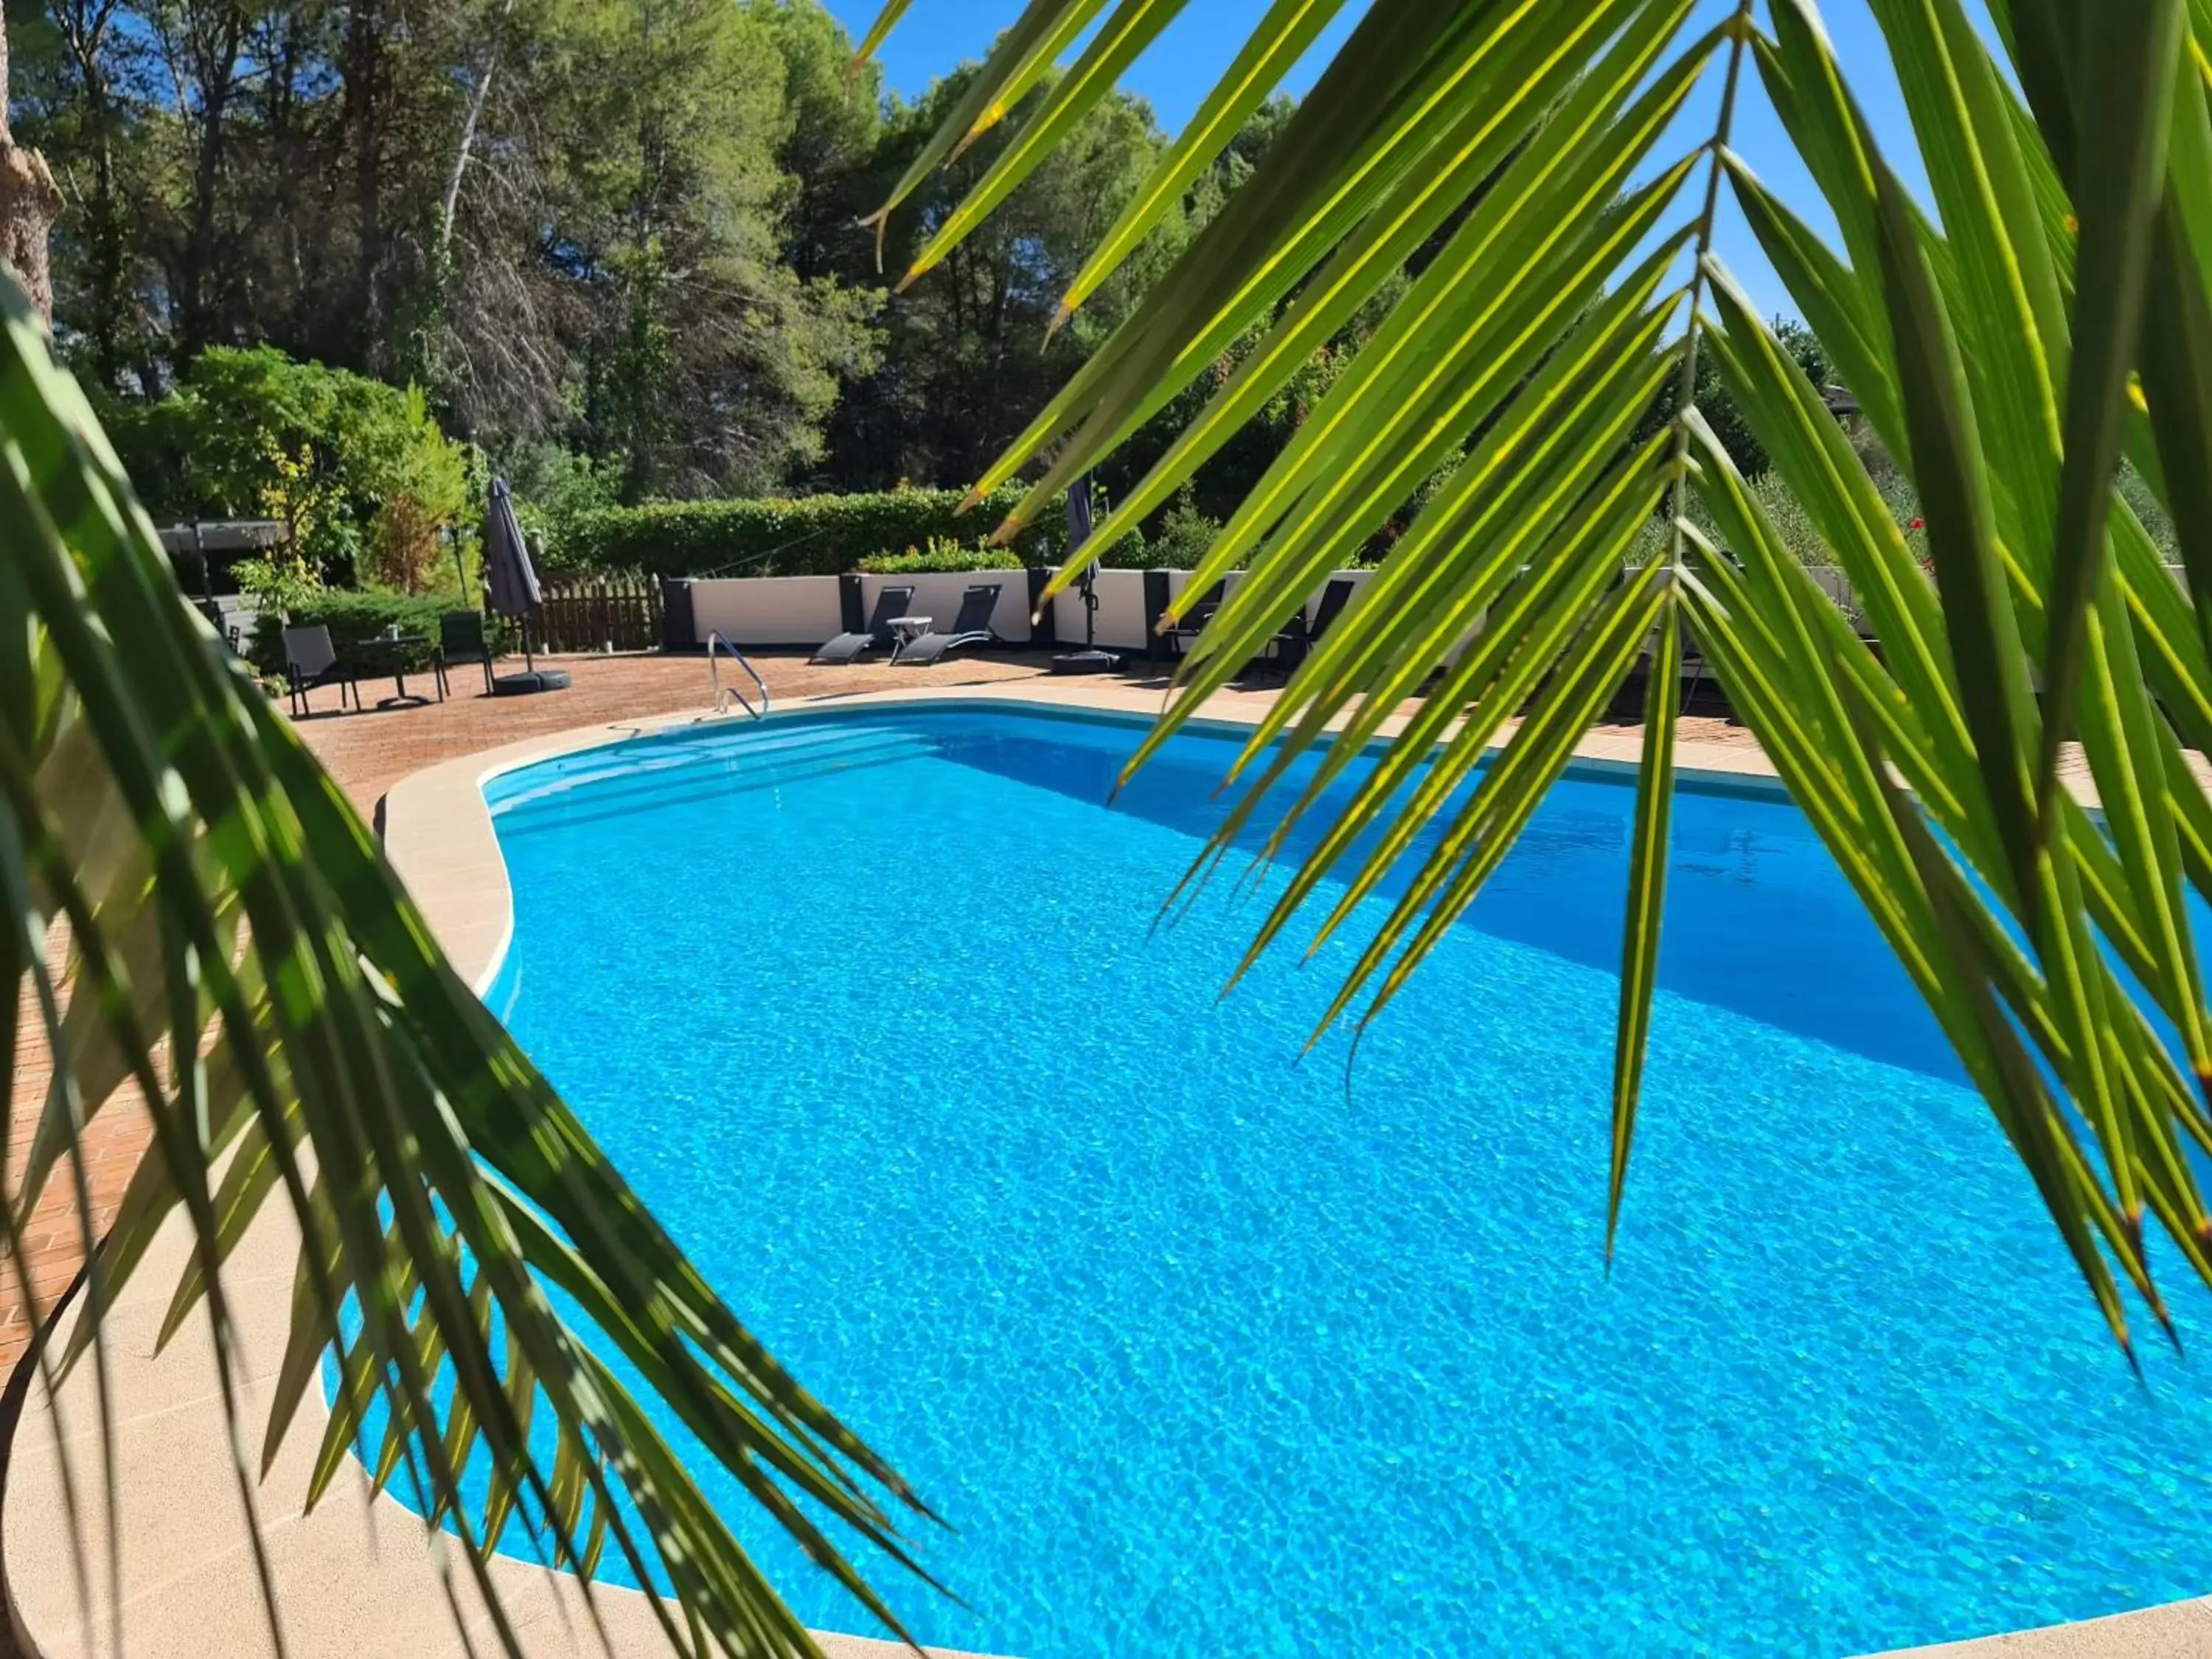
x: 971, y: 627
x: 310, y: 660
x: 1184, y: 635
x: 461, y: 639
x: 850, y: 647
x: 1301, y: 636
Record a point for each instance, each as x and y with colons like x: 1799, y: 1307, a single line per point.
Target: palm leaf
x: 1441, y: 324
x: 1398, y: 84
x: 2123, y: 114
x: 222, y: 902
x: 880, y: 31
x: 1273, y: 47
x: 1647, y: 895
x: 2066, y: 260
x: 218, y: 900
x: 1135, y: 25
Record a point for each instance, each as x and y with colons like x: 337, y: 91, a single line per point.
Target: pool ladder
x: 726, y: 695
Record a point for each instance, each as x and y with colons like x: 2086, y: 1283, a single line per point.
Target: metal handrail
x: 724, y: 695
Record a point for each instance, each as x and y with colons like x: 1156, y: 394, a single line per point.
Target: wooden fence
x: 593, y: 612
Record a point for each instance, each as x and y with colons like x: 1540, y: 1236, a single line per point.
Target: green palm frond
x: 2063, y: 252
x: 199, y: 919
x: 238, y: 952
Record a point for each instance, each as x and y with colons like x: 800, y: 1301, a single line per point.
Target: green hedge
x: 354, y: 619
x: 812, y: 536
x: 943, y: 556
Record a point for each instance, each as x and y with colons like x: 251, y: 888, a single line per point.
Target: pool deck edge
x: 362, y: 1576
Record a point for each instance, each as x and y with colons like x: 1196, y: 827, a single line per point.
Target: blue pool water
x: 1202, y: 1351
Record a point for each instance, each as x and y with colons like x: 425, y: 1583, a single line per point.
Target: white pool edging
x: 359, y: 1579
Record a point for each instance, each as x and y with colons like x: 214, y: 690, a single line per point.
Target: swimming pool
x: 1202, y: 1350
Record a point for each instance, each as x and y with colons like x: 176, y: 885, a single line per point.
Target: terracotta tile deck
x: 370, y: 751
x: 367, y: 753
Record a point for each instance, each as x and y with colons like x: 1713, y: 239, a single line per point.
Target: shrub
x: 253, y: 434
x: 1133, y: 552
x: 281, y: 580
x: 354, y: 619
x: 1793, y: 526
x: 1180, y: 536
x: 554, y: 488
x: 812, y: 536
x: 1184, y: 535
x: 2136, y: 490
x: 942, y: 554
x: 403, y: 554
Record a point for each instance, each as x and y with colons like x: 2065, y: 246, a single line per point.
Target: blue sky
x: 1175, y: 75
x: 1180, y: 67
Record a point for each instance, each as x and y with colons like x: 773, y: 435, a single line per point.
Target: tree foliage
x: 250, y: 433
x: 622, y: 228
x: 1727, y: 420
x: 967, y: 359
x: 617, y: 242
x: 564, y: 218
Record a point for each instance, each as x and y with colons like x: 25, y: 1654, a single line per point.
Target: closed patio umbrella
x: 1091, y: 660
x: 511, y: 589
x: 1078, y: 513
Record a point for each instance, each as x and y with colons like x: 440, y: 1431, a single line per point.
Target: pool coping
x: 362, y: 1576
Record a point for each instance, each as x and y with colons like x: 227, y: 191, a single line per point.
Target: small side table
x: 387, y: 654
x: 908, y: 629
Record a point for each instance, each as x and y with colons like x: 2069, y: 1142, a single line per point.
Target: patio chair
x: 851, y: 647
x: 1696, y: 674
x: 1301, y: 636
x: 462, y: 639
x: 971, y: 627
x: 310, y: 660
x: 1185, y: 633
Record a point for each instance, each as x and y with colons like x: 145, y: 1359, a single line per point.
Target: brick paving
x: 53, y: 1236
x: 369, y: 751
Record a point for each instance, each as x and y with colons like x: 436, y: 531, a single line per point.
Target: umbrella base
x: 1092, y: 662
x: 521, y: 685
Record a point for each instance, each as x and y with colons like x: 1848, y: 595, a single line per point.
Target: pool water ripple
x: 1205, y: 1350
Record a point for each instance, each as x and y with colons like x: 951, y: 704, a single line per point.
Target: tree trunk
x: 197, y: 307
x: 282, y: 53
x: 108, y: 298
x: 477, y: 95
x: 213, y: 40
x: 364, y: 72
x: 84, y: 25
x: 29, y: 204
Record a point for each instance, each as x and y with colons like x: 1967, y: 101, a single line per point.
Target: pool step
x: 633, y: 779
x: 752, y: 770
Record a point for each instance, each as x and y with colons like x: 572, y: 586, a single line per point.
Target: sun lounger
x: 971, y: 627
x: 1292, y: 644
x: 851, y: 647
